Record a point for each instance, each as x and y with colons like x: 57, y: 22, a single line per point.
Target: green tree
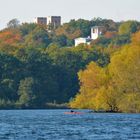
x: 128, y: 27
x: 60, y: 40
x: 26, y: 28
x: 37, y: 38
x: 14, y: 23
x: 10, y: 74
x: 28, y: 92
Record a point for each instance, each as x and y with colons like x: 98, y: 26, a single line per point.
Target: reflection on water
x: 55, y: 125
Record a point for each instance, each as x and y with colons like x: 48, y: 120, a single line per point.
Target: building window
x: 94, y: 31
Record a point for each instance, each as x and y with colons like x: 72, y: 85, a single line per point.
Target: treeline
x: 39, y: 67
x: 32, y: 77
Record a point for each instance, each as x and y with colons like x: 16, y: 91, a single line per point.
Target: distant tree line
x: 38, y: 67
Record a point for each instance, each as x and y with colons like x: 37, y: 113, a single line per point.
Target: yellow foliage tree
x: 130, y: 103
x: 125, y: 69
x: 91, y: 80
x: 114, y: 88
x: 136, y: 38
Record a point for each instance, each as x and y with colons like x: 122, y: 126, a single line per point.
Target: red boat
x: 73, y: 112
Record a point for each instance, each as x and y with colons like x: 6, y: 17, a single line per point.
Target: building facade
x: 41, y: 20
x: 96, y: 31
x: 53, y: 21
x: 82, y: 40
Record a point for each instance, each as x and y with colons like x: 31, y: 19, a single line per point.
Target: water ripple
x: 55, y: 125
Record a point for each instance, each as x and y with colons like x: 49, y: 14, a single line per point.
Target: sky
x: 27, y: 10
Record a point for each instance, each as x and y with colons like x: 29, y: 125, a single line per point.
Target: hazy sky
x: 26, y: 10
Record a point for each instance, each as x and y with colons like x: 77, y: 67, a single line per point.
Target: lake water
x: 55, y: 125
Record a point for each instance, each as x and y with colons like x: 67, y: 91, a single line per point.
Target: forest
x: 40, y: 68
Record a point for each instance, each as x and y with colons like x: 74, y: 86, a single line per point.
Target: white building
x: 82, y: 40
x: 96, y: 31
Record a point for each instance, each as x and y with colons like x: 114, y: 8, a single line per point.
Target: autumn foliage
x: 9, y: 37
x: 112, y: 88
x: 39, y: 66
